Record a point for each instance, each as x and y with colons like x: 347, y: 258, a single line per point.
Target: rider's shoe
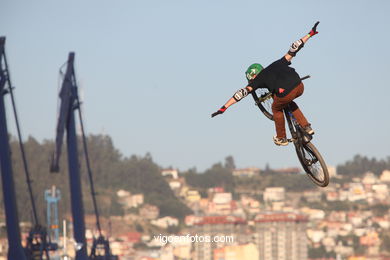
x: 309, y: 130
x: 280, y: 141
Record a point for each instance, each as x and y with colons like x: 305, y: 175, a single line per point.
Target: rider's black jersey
x: 278, y: 78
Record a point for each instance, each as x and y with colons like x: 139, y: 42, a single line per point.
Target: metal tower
x: 66, y: 123
x: 15, y: 250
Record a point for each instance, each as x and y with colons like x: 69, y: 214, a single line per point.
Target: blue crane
x: 66, y: 122
x: 36, y: 244
x: 15, y: 250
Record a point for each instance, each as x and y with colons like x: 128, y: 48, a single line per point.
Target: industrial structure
x: 70, y: 103
x: 40, y: 240
x: 15, y: 250
x: 52, y: 197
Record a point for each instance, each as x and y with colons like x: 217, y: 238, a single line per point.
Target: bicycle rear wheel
x: 264, y: 100
x: 313, y: 163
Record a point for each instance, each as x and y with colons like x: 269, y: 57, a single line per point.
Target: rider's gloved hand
x: 314, y: 30
x: 220, y: 111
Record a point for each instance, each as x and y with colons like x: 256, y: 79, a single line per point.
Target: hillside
x: 140, y: 174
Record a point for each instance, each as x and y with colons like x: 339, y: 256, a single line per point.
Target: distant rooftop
x: 213, y: 220
x: 280, y: 217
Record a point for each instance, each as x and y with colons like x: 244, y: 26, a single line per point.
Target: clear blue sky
x: 152, y: 72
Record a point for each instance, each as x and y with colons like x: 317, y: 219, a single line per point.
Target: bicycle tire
x: 264, y: 100
x: 313, y: 163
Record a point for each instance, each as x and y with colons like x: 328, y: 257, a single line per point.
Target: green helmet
x: 253, y: 70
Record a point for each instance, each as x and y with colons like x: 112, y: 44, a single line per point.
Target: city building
x: 281, y: 236
x: 230, y: 230
x: 356, y: 192
x: 290, y: 170
x: 221, y: 204
x: 381, y: 191
x: 193, y: 196
x: 175, y: 185
x: 246, y: 172
x: 274, y: 194
x: 369, y: 178
x: 385, y: 176
x: 149, y: 211
x: 251, y: 205
x: 190, y: 220
x: 165, y: 222
x: 241, y: 252
x: 127, y: 200
x: 312, y: 195
x: 170, y: 172
x: 332, y: 171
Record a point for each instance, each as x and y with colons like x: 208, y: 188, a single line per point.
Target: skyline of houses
x: 278, y: 225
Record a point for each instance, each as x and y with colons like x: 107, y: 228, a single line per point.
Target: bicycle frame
x: 298, y: 135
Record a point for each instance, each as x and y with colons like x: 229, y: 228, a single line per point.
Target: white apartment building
x: 274, y: 194
x: 281, y: 236
x: 230, y: 227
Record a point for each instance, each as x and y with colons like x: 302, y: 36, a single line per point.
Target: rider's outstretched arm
x: 297, y: 45
x: 240, y: 94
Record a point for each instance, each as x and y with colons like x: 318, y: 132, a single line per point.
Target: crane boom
x: 66, y: 123
x: 15, y: 250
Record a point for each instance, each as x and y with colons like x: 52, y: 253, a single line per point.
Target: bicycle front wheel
x: 313, y: 164
x: 264, y: 100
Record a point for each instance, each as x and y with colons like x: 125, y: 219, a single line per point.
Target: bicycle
x: 308, y: 155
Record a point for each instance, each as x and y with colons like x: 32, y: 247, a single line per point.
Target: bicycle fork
x: 289, y: 117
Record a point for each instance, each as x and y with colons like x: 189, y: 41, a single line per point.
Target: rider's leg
x: 277, y: 111
x: 301, y: 118
x: 298, y: 114
x: 280, y: 103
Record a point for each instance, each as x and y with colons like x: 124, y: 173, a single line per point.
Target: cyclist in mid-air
x: 285, y: 85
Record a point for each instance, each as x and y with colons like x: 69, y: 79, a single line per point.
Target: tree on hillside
x: 217, y: 176
x: 362, y: 164
x: 229, y: 163
x: 111, y: 172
